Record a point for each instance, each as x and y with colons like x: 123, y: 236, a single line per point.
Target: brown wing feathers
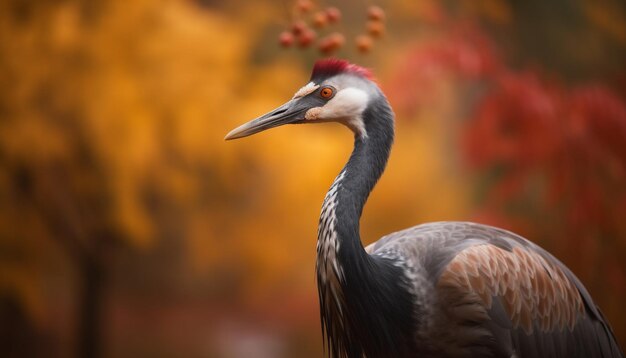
x: 535, y: 293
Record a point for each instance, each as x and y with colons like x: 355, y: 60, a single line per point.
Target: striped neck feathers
x: 351, y: 284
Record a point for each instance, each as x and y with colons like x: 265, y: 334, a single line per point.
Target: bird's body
x: 449, y: 289
x: 487, y: 292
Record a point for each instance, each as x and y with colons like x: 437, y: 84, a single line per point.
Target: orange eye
x: 326, y: 92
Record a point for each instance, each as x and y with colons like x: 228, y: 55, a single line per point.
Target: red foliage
x: 465, y: 52
x: 516, y: 123
x: 566, y: 146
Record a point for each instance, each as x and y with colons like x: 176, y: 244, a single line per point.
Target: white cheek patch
x: 347, y: 103
x: 307, y: 89
x: 347, y: 107
x: 312, y: 114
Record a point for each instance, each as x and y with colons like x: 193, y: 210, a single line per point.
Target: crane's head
x: 337, y: 92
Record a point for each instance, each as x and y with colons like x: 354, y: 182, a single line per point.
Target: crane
x: 444, y: 289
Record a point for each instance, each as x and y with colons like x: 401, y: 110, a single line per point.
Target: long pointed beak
x: 289, y: 112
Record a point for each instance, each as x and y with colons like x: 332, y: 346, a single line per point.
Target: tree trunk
x: 90, y: 308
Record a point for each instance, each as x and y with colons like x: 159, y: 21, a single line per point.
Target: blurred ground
x: 129, y: 228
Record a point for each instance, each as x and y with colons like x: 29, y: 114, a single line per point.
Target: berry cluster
x: 375, y: 29
x: 307, y: 23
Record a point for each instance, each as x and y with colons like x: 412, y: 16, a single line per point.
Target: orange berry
x: 364, y: 43
x: 376, y: 13
x: 320, y: 19
x: 285, y: 39
x: 331, y: 43
x: 375, y: 28
x: 306, y: 38
x: 326, y: 48
x: 337, y: 39
x: 333, y: 14
x: 298, y: 27
x: 304, y: 5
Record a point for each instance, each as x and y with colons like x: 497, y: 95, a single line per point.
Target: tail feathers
x: 607, y: 340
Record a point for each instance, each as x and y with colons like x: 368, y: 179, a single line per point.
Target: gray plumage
x: 431, y: 247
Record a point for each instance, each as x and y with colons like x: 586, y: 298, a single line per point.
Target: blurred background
x: 129, y: 228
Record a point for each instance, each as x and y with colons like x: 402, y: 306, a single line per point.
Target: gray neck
x: 349, y: 278
x: 339, y: 221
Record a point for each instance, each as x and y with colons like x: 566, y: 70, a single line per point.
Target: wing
x: 498, y: 294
